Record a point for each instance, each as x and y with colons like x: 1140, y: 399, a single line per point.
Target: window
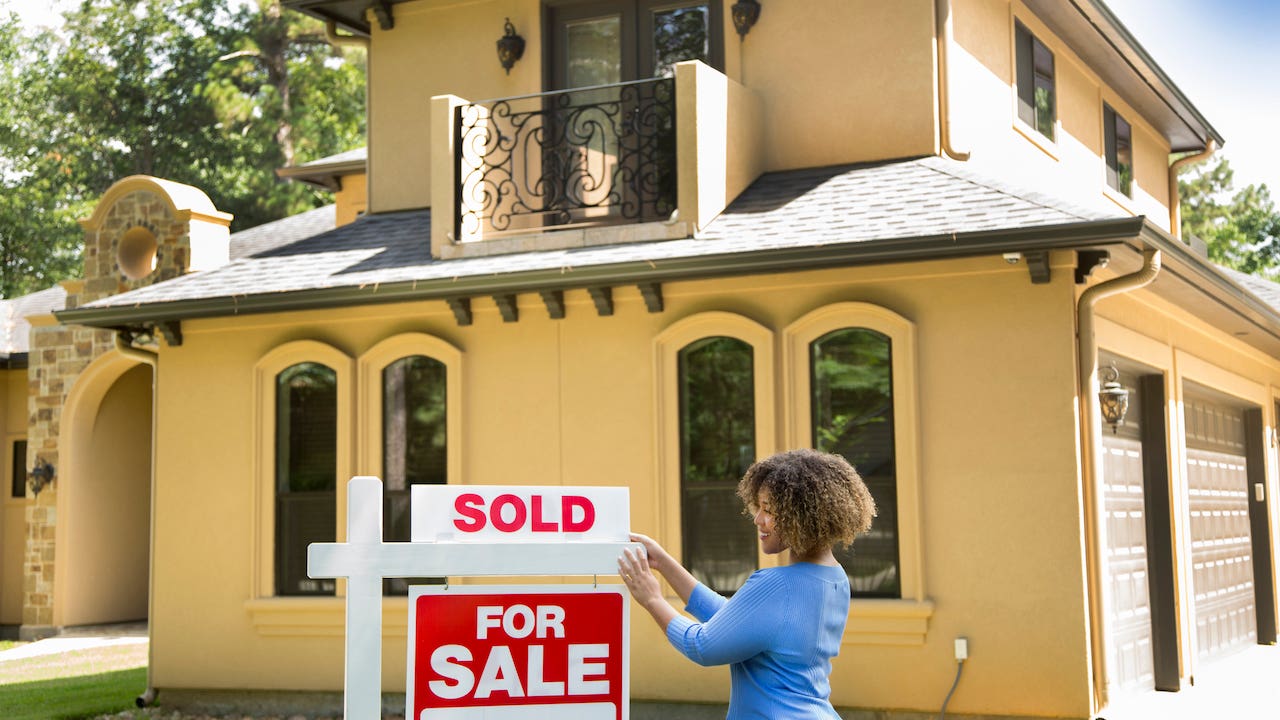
x: 852, y: 416
x: 717, y: 445
x: 19, y: 489
x: 1118, y: 146
x: 414, y: 444
x: 850, y: 370
x: 1037, y: 103
x: 306, y: 428
x: 408, y: 418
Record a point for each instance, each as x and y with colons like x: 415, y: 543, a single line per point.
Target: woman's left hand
x: 643, y: 584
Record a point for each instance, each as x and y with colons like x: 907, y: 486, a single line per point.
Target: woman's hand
x: 634, y: 569
x: 659, y: 559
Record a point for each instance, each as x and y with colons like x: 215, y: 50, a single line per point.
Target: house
x: 939, y: 238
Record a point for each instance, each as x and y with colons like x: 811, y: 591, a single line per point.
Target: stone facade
x: 148, y: 213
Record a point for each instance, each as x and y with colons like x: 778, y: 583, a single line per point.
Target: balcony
x: 644, y: 160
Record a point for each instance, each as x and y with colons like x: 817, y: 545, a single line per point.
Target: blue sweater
x: 778, y: 634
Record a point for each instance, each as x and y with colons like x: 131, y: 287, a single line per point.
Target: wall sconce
x: 510, y: 47
x: 40, y: 476
x: 745, y: 15
x: 1113, y: 399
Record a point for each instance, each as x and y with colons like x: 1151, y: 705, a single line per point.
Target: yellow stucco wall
x: 986, y: 124
x: 883, y: 110
x: 13, y: 527
x: 573, y: 402
x: 106, y: 501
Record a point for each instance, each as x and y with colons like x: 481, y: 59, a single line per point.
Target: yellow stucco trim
x: 264, y: 401
x: 369, y: 394
x: 313, y: 617
x: 79, y: 414
x: 667, y: 346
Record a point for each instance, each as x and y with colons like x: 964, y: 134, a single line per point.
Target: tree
x: 1241, y: 229
x: 180, y: 89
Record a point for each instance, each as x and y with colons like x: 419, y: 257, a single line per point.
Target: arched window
x: 410, y: 420
x: 303, y: 391
x: 851, y: 390
x: 306, y: 428
x: 715, y: 413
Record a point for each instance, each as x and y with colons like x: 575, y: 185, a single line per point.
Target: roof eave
x: 1051, y: 237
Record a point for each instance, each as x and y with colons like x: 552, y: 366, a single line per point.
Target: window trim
x: 901, y: 621
x: 369, y: 369
x: 667, y: 346
x: 264, y: 401
x: 1109, y: 130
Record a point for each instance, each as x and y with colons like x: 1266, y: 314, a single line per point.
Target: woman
x: 781, y: 629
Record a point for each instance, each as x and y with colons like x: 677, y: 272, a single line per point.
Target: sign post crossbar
x: 364, y: 560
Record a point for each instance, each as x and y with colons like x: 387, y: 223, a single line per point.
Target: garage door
x: 1221, y: 558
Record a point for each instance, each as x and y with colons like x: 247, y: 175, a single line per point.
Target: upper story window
x: 717, y: 445
x: 604, y: 42
x: 1118, y: 148
x: 852, y: 407
x: 306, y: 429
x: 1037, y: 95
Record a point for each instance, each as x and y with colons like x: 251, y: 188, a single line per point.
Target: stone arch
x: 102, y: 541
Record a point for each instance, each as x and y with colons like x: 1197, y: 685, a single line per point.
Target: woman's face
x: 770, y: 542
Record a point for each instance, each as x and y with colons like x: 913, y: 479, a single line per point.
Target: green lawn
x: 72, y: 685
x: 9, y: 644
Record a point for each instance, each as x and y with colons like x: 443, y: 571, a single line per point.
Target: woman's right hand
x: 659, y: 559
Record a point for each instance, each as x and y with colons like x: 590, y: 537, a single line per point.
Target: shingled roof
x: 858, y: 206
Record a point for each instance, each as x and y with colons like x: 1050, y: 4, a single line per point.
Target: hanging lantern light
x: 745, y: 14
x: 510, y: 47
x: 1113, y: 399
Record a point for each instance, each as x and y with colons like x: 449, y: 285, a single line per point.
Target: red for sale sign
x: 515, y: 653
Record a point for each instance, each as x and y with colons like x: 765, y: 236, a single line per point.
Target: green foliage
x: 180, y: 89
x: 1241, y: 228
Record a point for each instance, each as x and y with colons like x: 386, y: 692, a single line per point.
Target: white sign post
x: 517, y: 548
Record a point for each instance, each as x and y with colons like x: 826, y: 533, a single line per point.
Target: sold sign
x: 489, y: 513
x: 510, y: 653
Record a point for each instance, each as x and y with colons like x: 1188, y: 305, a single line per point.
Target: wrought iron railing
x: 597, y: 155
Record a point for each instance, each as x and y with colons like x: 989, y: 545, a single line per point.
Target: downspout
x: 147, y: 357
x: 1175, y: 196
x: 942, y: 31
x: 1091, y: 456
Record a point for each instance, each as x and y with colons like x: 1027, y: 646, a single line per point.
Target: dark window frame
x: 399, y: 587
x: 1117, y: 146
x: 295, y: 509
x: 18, y: 488
x: 1032, y: 75
x: 887, y: 497
x: 726, y: 489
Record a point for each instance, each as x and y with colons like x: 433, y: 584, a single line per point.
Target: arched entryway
x: 104, y: 496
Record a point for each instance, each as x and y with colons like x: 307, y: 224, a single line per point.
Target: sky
x: 1223, y: 54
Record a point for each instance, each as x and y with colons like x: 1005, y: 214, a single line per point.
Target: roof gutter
x: 1052, y: 237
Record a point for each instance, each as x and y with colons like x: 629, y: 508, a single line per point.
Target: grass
x: 10, y: 644
x: 73, y: 685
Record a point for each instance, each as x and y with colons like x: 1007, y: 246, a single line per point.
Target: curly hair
x: 817, y: 498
